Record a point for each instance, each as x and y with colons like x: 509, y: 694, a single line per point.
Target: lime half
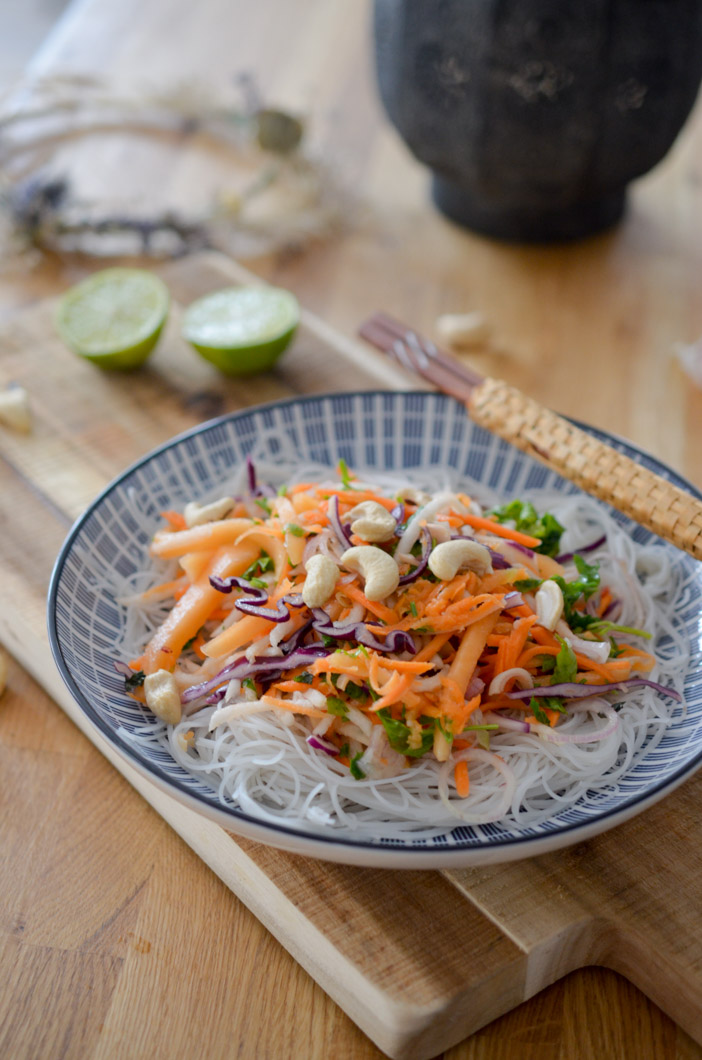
x: 242, y: 330
x: 114, y: 318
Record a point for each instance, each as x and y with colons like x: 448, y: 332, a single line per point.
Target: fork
x: 594, y: 466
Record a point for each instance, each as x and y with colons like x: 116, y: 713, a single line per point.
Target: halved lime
x: 242, y: 330
x: 114, y: 318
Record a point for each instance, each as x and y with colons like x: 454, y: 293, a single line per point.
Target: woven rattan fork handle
x: 594, y: 466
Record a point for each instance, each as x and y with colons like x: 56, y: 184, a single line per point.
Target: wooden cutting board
x: 418, y: 960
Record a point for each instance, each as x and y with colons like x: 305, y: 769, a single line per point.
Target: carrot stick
x: 435, y: 645
x: 470, y: 649
x: 193, y: 609
x: 207, y: 537
x: 461, y: 779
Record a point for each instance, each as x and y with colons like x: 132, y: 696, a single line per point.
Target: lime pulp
x: 114, y: 317
x: 242, y: 330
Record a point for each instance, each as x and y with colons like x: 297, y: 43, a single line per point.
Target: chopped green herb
x: 566, y: 666
x: 538, y: 712
x: 525, y: 585
x: 355, y: 691
x: 345, y: 475
x: 258, y: 583
x: 282, y: 491
x: 135, y: 680
x: 399, y: 734
x: 615, y: 651
x: 249, y: 682
x: 413, y: 609
x: 328, y: 642
x: 484, y: 740
x: 587, y: 583
x: 263, y: 504
x: 539, y: 705
x: 527, y: 520
x: 603, y: 626
x: 261, y: 565
x: 337, y: 707
x: 189, y: 643
x: 293, y: 528
x: 547, y: 663
x: 356, y: 771
x: 344, y: 749
x: 423, y: 629
x: 304, y: 679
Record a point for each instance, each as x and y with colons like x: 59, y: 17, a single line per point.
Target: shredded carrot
x: 480, y: 522
x: 354, y: 497
x: 296, y: 708
x: 394, y: 690
x: 175, y: 520
x: 374, y: 606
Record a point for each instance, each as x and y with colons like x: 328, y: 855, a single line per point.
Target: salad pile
x: 385, y: 635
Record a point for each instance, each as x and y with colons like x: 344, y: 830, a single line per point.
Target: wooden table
x: 98, y: 930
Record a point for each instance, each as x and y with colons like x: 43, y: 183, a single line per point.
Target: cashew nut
x: 549, y: 604
x: 522, y: 677
x: 381, y: 573
x: 409, y: 493
x: 163, y: 696
x: 14, y: 409
x: 196, y: 514
x: 463, y: 329
x: 447, y: 559
x: 322, y: 575
x: 371, y: 521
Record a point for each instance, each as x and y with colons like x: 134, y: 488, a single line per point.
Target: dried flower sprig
x: 40, y: 207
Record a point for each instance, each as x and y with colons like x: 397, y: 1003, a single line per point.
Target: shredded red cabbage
x: 498, y: 560
x: 398, y: 514
x: 262, y: 665
x: 572, y: 690
x: 358, y: 633
x: 322, y: 745
x: 225, y: 585
x: 567, y: 556
x: 423, y: 559
x: 475, y: 688
x: 521, y: 548
x: 254, y: 489
x: 513, y: 599
x: 255, y: 603
x: 341, y: 531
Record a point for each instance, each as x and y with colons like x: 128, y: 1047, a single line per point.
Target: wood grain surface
x: 111, y: 950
